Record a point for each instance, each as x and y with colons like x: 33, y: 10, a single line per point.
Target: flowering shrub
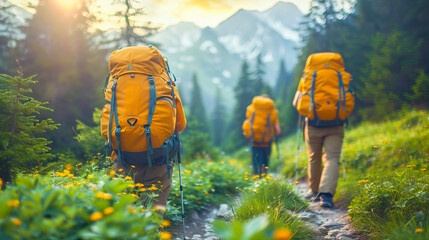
x: 67, y: 207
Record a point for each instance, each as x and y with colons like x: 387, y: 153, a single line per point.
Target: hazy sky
x: 201, y: 12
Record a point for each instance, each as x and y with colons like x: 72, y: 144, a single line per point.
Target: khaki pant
x: 153, y: 176
x: 157, y: 176
x: 331, y: 139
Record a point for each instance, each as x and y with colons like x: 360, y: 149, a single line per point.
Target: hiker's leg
x: 257, y: 159
x: 314, y: 142
x: 331, y: 159
x: 267, y: 154
x: 154, y: 176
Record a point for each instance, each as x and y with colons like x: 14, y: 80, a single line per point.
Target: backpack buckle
x: 147, y: 130
x: 118, y: 131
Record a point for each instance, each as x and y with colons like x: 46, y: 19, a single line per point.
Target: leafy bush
x: 258, y: 228
x: 204, y: 184
x: 385, y: 204
x: 73, y: 208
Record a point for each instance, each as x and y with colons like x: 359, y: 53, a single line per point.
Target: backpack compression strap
x: 152, y: 104
x: 114, y: 111
x: 267, y: 128
x: 251, y: 128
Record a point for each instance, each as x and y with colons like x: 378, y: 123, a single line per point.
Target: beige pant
x: 148, y: 176
x: 331, y: 139
x: 157, y: 176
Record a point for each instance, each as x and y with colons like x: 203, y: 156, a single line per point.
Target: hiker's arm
x: 298, y: 95
x: 278, y: 130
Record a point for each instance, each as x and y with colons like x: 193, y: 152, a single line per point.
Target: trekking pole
x: 344, y: 162
x: 279, y: 155
x: 297, y: 151
x: 179, y: 159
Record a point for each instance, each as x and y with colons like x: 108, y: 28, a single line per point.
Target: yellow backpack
x: 139, y: 118
x: 261, y: 117
x: 327, y: 97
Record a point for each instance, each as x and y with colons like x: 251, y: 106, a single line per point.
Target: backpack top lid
x: 138, y: 59
x: 324, y: 60
x: 263, y: 103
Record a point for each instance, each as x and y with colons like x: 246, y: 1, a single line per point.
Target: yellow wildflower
x: 128, y: 178
x: 246, y: 178
x: 423, y: 169
x: 102, y: 195
x: 201, y: 177
x: 222, y: 162
x: 69, y: 167
x: 120, y: 169
x: 98, y: 154
x: 90, y: 176
x: 16, y: 222
x: 79, y: 164
x: 1, y: 182
x: 139, y: 185
x: 66, y: 172
x: 263, y: 174
x: 96, y: 216
x: 246, y: 173
x: 166, y: 223
x: 205, y: 192
x: 165, y: 235
x: 131, y: 209
x: 133, y: 166
x: 410, y: 166
x: 419, y: 230
x: 188, y: 171
x: 108, y: 211
x: 134, y: 195
x: 282, y: 234
x: 266, y: 167
x: 131, y: 185
x: 13, y: 203
x: 153, y: 188
x: 112, y: 172
x: 295, y: 183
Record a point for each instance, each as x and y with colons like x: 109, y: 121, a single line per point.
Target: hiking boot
x: 313, y: 197
x: 327, y: 200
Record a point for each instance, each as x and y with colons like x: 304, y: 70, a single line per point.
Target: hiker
x: 146, y: 118
x: 260, y: 126
x: 325, y: 98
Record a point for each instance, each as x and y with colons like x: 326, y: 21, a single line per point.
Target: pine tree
x: 283, y: 82
x: 21, y: 149
x: 218, y: 120
x: 131, y: 33
x: 244, y: 94
x: 258, y: 76
x: 197, y: 110
x: 196, y: 137
x: 58, y: 49
x: 8, y: 29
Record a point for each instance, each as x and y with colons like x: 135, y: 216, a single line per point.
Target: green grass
x: 275, y: 199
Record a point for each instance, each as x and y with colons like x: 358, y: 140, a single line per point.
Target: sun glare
x: 67, y: 4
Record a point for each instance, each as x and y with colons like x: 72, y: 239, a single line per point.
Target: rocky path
x: 199, y: 225
x: 327, y: 223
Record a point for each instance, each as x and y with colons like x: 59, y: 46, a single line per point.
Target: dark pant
x: 260, y: 159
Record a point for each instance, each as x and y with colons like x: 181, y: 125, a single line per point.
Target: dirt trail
x: 327, y: 223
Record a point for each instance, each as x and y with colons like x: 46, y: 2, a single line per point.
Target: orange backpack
x: 261, y: 117
x: 139, y: 118
x: 327, y: 97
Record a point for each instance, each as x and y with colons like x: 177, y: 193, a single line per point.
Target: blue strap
x: 112, y: 100
x: 152, y: 104
x: 312, y: 91
x: 251, y: 128
x: 172, y: 93
x: 114, y: 110
x: 342, y: 90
